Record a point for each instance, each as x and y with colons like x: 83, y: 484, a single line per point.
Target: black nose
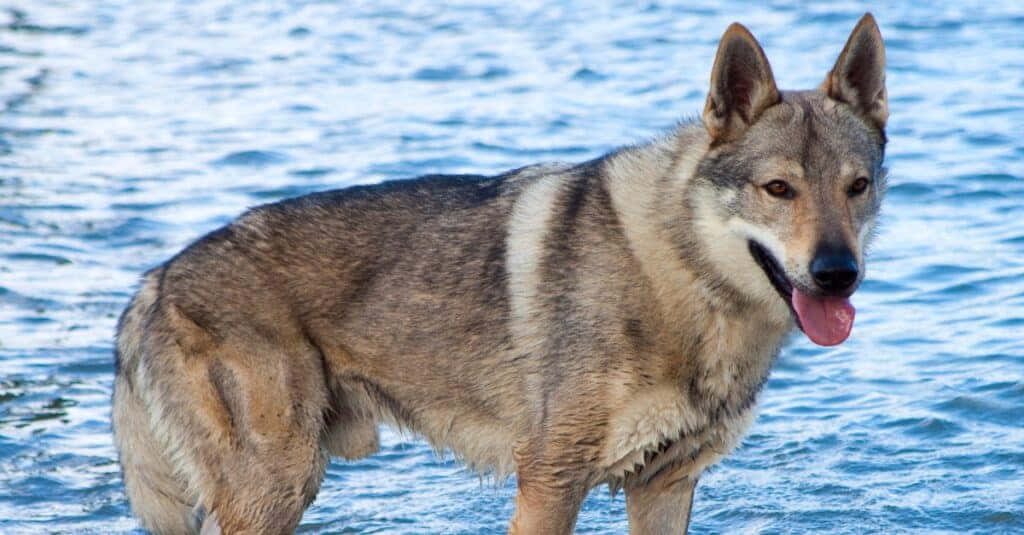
x: 834, y: 269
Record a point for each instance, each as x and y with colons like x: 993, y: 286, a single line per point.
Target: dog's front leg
x: 543, y: 509
x: 552, y: 486
x: 662, y: 505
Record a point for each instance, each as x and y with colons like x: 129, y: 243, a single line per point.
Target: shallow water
x: 128, y: 130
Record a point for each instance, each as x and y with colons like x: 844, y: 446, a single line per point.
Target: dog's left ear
x: 858, y: 78
x: 742, y: 86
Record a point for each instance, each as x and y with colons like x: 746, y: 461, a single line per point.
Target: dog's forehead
x: 818, y: 134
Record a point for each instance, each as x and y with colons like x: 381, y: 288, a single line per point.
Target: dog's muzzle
x: 824, y: 314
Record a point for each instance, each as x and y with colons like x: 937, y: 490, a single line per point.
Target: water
x: 127, y: 130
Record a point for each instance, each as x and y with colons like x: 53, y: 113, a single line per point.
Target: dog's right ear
x: 742, y: 86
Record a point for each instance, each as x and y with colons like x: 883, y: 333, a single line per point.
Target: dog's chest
x: 661, y: 426
x: 691, y: 418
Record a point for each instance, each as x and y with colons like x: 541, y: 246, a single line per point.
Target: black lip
x: 775, y: 274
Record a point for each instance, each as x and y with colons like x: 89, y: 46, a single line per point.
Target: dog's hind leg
x: 662, y: 505
x: 267, y: 457
x: 240, y: 420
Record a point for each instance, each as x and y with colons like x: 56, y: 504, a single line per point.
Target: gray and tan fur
x: 605, y: 322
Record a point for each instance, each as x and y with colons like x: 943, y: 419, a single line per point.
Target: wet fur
x: 574, y: 324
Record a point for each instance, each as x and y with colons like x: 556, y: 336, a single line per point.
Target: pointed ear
x: 858, y: 77
x: 742, y: 86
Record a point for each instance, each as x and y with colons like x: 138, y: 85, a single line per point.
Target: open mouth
x: 827, y: 321
x: 775, y: 273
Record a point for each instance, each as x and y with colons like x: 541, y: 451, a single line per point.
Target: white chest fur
x: 663, y: 415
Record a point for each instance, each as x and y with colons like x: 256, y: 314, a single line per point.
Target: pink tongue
x: 826, y: 320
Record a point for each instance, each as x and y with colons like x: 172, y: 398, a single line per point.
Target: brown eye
x: 859, y: 186
x: 779, y: 188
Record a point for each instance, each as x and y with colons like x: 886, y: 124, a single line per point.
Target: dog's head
x: 786, y: 197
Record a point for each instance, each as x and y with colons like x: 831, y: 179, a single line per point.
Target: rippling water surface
x: 127, y: 129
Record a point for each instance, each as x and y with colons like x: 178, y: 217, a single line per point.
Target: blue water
x: 127, y: 129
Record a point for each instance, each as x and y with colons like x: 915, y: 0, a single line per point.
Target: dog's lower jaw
x: 776, y: 276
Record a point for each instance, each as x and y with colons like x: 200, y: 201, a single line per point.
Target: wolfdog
x: 609, y: 322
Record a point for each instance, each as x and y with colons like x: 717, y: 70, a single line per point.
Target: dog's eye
x: 779, y: 188
x: 859, y: 186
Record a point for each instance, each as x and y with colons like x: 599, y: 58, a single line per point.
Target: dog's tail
x: 157, y: 494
